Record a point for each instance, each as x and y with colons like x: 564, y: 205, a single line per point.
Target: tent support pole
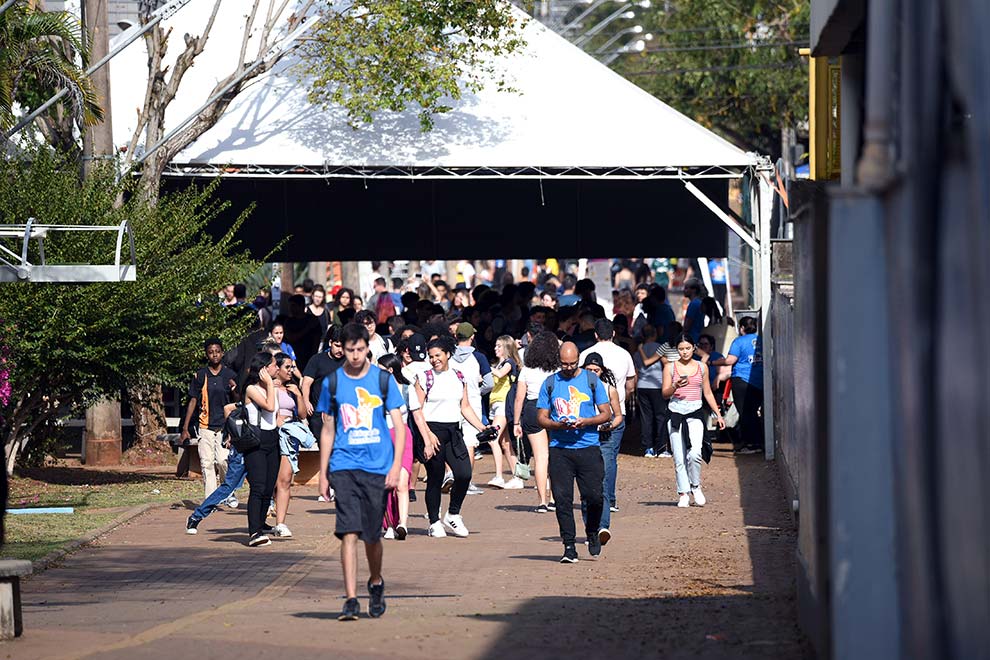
x: 729, y: 221
x: 762, y: 205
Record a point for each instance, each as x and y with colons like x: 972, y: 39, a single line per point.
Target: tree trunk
x: 102, y: 442
x: 148, y: 414
x: 351, y: 276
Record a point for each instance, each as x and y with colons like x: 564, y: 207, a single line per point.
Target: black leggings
x: 748, y: 400
x: 262, y: 469
x: 653, y: 419
x: 452, y: 452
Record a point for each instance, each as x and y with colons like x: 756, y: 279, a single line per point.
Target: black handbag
x: 240, y: 432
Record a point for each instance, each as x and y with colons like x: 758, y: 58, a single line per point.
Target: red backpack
x: 384, y: 307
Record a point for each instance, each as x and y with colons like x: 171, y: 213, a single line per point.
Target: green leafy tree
x: 731, y: 65
x: 70, y: 345
x: 395, y: 53
x: 38, y: 52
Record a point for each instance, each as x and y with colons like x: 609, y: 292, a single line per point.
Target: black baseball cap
x: 417, y: 347
x: 595, y: 359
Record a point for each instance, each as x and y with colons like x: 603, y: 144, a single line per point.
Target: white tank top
x: 267, y: 421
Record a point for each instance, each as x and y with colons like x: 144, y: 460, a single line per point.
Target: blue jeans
x: 234, y: 480
x: 610, y: 455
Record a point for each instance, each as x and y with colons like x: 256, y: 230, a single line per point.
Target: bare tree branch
x: 247, y: 35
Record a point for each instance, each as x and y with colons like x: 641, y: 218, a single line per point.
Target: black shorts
x: 359, y: 497
x: 529, y: 423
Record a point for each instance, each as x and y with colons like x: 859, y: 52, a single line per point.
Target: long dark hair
x: 543, y: 352
x: 392, y: 362
x: 607, y: 376
x: 258, y: 362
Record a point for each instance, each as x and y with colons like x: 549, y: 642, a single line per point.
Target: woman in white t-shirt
x: 542, y: 359
x: 444, y: 398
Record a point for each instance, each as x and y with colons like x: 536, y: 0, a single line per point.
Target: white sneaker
x: 515, y: 483
x: 282, y: 531
x: 390, y: 533
x: 231, y: 502
x: 497, y: 482
x: 455, y: 525
x: 684, y: 501
x: 322, y: 499
x: 699, y: 497
x: 474, y: 490
x: 448, y: 482
x: 436, y: 530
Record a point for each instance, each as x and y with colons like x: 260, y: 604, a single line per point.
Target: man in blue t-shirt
x: 572, y: 404
x: 694, y: 318
x: 746, y: 357
x: 357, y: 453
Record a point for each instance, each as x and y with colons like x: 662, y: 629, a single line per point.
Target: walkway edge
x: 56, y: 556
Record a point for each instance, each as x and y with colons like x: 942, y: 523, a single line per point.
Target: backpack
x: 331, y: 380
x: 430, y: 378
x: 384, y: 307
x: 239, y: 431
x: 592, y: 383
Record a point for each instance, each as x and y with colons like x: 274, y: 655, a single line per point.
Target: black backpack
x: 331, y: 380
x: 239, y: 431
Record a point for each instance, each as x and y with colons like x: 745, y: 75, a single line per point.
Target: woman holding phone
x: 685, y: 382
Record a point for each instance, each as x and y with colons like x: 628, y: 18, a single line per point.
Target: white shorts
x: 496, y: 409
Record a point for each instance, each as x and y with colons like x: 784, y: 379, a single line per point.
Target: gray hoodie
x: 460, y: 357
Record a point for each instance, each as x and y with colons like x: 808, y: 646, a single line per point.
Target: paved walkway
x: 699, y: 583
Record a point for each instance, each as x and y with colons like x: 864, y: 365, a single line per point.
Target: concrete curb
x: 57, y: 556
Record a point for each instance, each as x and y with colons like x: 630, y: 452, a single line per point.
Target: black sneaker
x: 265, y: 527
x: 191, y: 525
x: 401, y: 532
x: 551, y: 506
x: 258, y: 539
x: 377, y: 606
x: 570, y: 555
x: 594, y: 545
x: 351, y: 611
x: 412, y: 495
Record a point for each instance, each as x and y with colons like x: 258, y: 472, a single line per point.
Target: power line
x: 714, y: 69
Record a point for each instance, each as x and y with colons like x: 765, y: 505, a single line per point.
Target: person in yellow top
x: 505, y: 372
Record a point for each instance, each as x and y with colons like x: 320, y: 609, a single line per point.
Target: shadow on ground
x: 73, y: 476
x: 725, y: 626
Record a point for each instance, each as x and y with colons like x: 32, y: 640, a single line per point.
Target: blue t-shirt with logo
x: 749, y: 351
x: 570, y: 399
x: 362, y: 440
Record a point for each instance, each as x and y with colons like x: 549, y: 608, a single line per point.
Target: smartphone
x: 419, y: 276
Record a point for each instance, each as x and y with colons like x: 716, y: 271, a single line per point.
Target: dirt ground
x: 712, y: 582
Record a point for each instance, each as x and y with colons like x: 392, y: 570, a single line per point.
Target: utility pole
x: 102, y: 440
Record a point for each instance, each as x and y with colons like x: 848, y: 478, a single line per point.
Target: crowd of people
x: 419, y: 383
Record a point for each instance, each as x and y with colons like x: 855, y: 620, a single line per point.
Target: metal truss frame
x: 17, y: 267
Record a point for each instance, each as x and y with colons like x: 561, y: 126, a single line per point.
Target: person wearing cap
x: 477, y: 372
x: 620, y: 363
x: 595, y: 364
x: 572, y: 404
x: 412, y: 352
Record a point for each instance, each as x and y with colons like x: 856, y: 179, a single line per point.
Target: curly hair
x: 543, y: 352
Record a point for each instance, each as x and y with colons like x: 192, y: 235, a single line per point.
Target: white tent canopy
x: 568, y: 112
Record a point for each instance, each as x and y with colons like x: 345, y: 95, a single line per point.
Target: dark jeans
x: 453, y: 452
x: 653, y: 420
x: 262, y: 469
x: 748, y: 400
x: 588, y: 468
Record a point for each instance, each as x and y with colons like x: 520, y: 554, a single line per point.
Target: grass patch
x: 98, y: 498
